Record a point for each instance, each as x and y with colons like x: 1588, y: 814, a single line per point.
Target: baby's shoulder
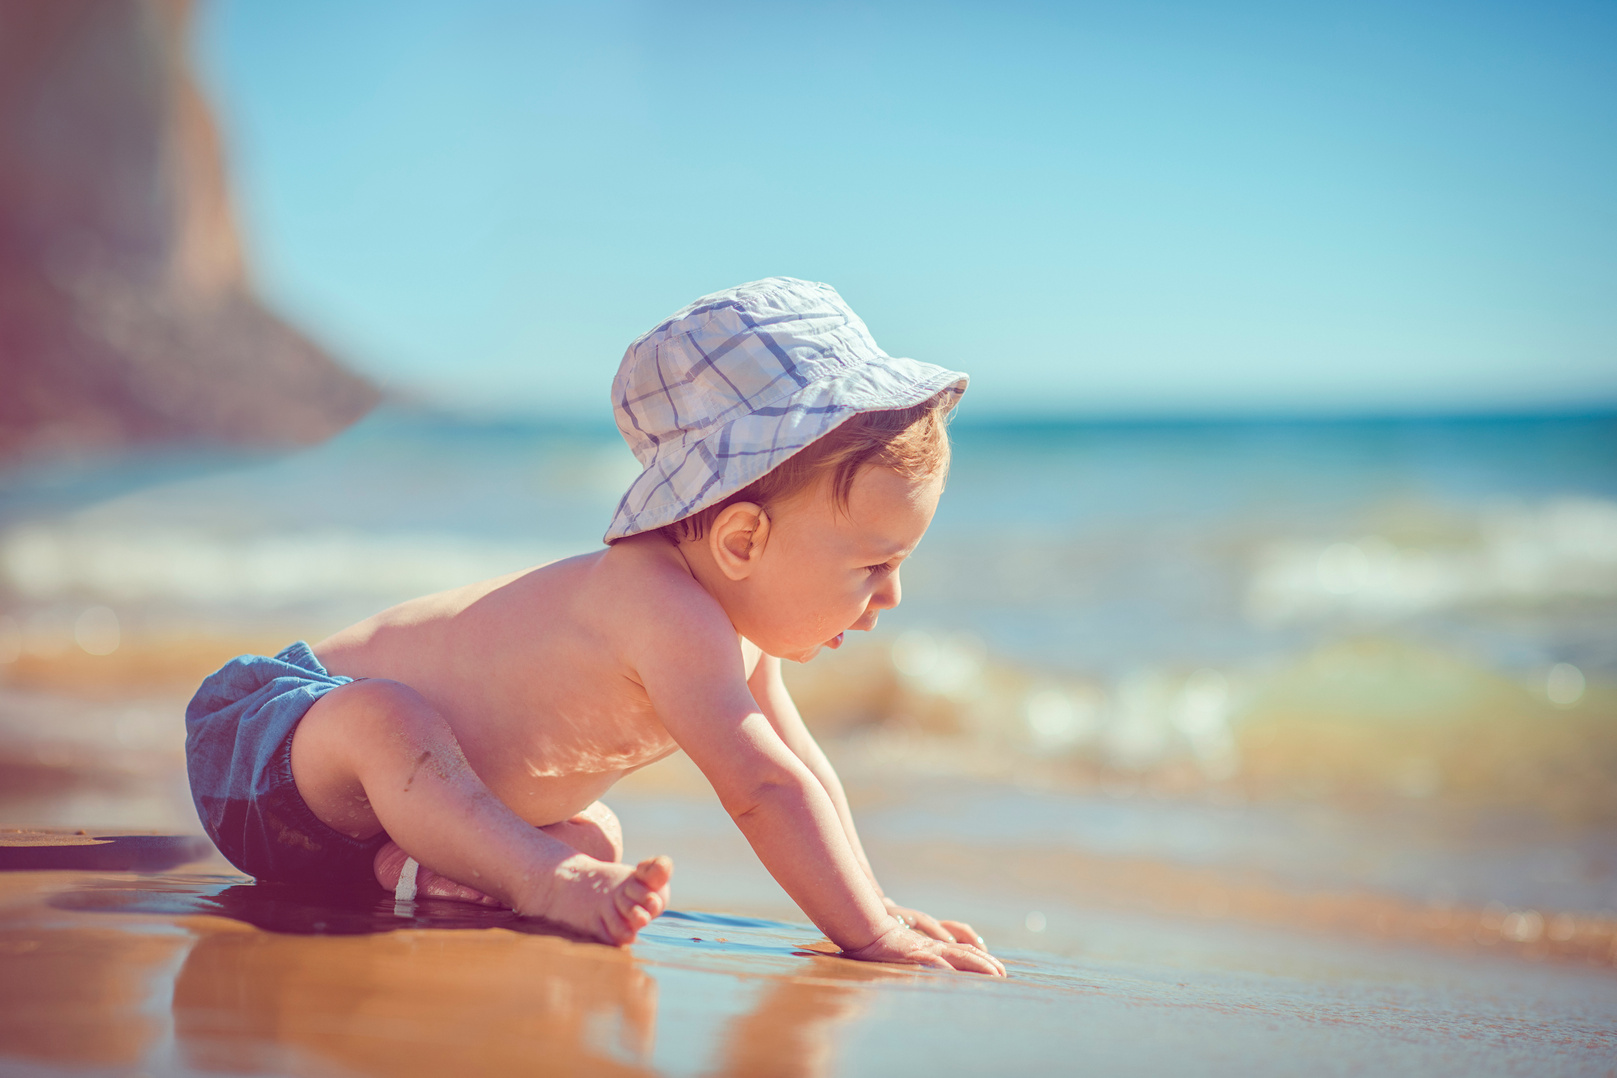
x: 653, y: 590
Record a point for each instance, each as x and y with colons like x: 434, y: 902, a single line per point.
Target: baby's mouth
x: 835, y: 642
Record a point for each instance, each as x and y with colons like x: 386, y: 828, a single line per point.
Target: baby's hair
x: 910, y: 441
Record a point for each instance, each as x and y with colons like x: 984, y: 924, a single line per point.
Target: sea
x: 1098, y: 549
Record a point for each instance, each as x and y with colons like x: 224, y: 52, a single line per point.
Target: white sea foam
x: 1563, y: 548
x: 1149, y: 717
x: 42, y: 562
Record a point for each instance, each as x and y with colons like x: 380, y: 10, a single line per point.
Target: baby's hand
x: 927, y: 925
x: 901, y: 944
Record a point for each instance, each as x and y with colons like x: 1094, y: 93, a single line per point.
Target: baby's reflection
x: 334, y: 983
x: 432, y: 1002
x: 413, y: 1003
x: 791, y: 1032
x: 82, y: 997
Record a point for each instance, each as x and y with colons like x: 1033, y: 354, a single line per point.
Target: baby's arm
x: 778, y: 707
x: 695, y: 680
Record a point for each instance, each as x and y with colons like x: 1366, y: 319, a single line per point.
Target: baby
x: 457, y: 745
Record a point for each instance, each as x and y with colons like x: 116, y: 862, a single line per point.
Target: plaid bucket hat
x: 724, y: 391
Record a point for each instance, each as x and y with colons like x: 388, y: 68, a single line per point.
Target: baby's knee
x: 595, y: 832
x: 367, y: 724
x: 375, y: 706
x: 606, y: 822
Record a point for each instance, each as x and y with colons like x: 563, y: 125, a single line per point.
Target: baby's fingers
x: 961, y: 932
x: 970, y: 960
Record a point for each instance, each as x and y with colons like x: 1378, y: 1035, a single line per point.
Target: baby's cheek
x: 819, y: 607
x: 818, y: 622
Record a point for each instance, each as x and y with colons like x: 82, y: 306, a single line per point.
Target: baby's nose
x: 890, y: 593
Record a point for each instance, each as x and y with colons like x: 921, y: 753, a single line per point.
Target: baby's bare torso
x: 530, y: 672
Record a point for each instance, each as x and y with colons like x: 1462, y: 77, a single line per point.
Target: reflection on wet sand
x: 124, y: 971
x: 84, y: 997
x: 267, y: 979
x: 414, y: 1002
x: 791, y: 1031
x: 281, y: 976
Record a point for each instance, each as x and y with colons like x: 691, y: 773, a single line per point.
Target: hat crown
x: 728, y: 388
x: 730, y: 353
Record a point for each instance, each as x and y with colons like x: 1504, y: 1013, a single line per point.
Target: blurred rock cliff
x: 126, y: 314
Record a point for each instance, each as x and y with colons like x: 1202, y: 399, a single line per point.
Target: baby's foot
x: 608, y: 901
x: 389, y: 865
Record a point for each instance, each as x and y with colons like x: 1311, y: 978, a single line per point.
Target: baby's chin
x: 814, y: 649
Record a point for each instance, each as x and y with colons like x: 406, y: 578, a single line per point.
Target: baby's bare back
x: 530, y: 672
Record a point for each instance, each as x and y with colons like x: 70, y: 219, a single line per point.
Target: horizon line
x: 1044, y: 417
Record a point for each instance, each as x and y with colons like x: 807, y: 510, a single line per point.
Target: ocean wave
x: 1566, y: 548
x: 1368, y: 717
x: 50, y: 561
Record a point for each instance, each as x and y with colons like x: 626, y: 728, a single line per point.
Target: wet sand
x: 192, y: 969
x: 125, y: 972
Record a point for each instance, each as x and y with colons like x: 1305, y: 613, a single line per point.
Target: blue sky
x: 1135, y: 209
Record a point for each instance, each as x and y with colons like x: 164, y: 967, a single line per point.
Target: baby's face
x: 825, y: 571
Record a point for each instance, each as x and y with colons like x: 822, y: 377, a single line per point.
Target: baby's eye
x: 884, y: 567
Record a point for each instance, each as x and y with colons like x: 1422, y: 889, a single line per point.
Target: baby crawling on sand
x: 459, y: 743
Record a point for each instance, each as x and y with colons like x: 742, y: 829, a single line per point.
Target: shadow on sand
x: 107, y: 853
x: 299, y: 910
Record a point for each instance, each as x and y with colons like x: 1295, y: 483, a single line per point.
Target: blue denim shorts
x: 238, y: 752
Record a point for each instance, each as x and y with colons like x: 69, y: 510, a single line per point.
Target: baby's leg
x: 374, y: 755
x: 595, y: 832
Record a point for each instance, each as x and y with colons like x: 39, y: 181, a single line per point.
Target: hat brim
x: 689, y: 475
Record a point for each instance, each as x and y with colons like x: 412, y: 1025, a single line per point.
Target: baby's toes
x: 643, y: 897
x: 637, y: 905
x: 624, y: 919
x: 622, y: 928
x: 654, y: 873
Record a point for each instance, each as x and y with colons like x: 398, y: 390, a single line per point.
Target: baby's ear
x: 737, y: 538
